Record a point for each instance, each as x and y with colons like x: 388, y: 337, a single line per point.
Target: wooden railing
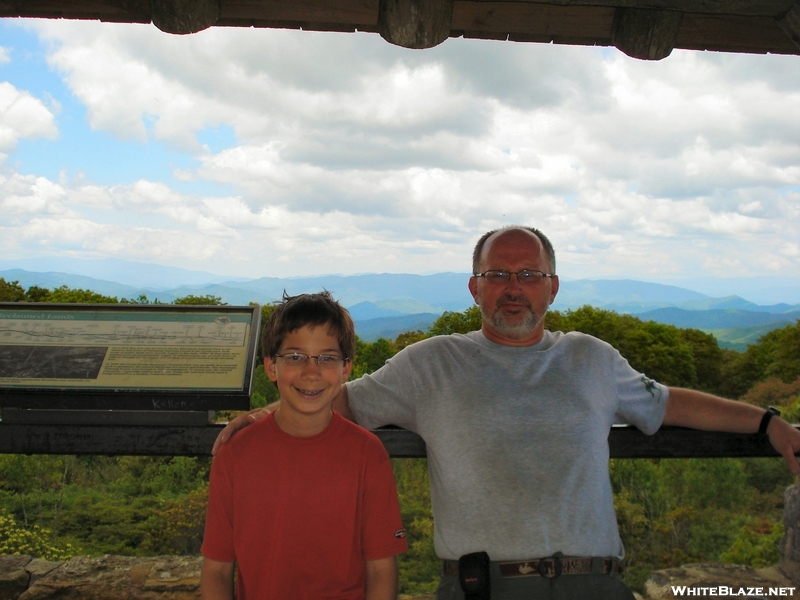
x: 625, y: 441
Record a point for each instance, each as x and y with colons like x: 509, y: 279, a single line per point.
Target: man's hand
x: 242, y: 420
x: 786, y: 440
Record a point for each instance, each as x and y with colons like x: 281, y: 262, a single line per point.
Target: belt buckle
x: 558, y: 567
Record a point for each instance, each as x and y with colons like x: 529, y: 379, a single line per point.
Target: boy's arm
x: 382, y: 579
x: 216, y: 580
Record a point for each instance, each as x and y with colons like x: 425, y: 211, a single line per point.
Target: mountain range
x: 384, y: 305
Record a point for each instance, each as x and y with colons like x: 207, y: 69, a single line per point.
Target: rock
x: 713, y: 575
x: 38, y: 568
x: 115, y: 577
x: 13, y: 576
x: 789, y: 546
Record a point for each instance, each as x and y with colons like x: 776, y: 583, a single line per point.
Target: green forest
x: 670, y: 512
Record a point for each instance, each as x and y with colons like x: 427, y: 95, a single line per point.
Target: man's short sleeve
x: 641, y: 401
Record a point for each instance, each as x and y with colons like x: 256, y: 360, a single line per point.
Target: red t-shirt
x: 300, y: 516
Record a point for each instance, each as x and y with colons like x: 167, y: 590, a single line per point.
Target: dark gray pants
x: 566, y: 587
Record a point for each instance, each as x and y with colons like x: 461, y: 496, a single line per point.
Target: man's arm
x: 216, y: 580
x: 382, y: 579
x: 690, y: 408
x: 341, y: 404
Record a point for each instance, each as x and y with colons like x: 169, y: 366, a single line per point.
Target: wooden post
x: 184, y: 16
x: 646, y: 34
x: 415, y: 24
x: 790, y: 23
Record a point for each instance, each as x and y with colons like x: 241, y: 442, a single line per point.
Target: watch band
x: 771, y: 412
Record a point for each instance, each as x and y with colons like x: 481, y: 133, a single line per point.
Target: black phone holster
x: 474, y: 576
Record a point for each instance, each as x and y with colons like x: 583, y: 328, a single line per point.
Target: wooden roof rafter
x: 645, y: 29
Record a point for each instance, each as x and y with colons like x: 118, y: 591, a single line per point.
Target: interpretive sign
x: 127, y: 356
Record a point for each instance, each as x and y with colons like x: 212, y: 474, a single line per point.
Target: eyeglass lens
x: 523, y: 277
x: 298, y: 359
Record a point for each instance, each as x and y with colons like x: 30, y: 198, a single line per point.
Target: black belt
x: 550, y: 568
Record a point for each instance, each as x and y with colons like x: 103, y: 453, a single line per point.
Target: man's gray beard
x: 516, y: 331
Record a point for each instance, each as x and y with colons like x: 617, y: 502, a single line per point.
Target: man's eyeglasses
x: 324, y: 361
x: 525, y: 277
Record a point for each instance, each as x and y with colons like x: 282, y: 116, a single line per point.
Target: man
x: 516, y: 421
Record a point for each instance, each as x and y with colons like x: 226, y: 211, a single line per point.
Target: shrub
x: 32, y: 542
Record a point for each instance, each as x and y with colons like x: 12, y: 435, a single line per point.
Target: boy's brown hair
x: 295, y: 312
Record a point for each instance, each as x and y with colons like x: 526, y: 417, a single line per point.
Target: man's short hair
x: 548, y: 247
x: 315, y: 310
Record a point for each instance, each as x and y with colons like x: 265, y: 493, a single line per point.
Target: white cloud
x: 353, y: 155
x: 22, y: 116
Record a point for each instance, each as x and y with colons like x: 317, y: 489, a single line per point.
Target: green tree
x: 371, y: 357
x: 11, y: 291
x: 408, y: 338
x: 776, y: 354
x: 207, y: 300
x: 68, y: 295
x: 37, y: 294
x: 457, y: 322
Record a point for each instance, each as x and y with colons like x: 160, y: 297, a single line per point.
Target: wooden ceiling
x: 646, y: 29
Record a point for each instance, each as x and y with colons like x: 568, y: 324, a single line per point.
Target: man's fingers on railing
x: 785, y: 438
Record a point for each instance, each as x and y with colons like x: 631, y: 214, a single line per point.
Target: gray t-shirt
x: 517, y: 438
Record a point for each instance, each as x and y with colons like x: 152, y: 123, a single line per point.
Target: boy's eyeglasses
x: 324, y: 361
x: 524, y: 277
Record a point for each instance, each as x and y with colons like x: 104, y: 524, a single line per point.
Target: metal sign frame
x: 127, y: 356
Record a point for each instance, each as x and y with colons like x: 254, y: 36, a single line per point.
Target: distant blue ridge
x: 385, y: 305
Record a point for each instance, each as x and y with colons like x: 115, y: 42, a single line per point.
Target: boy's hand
x: 243, y: 420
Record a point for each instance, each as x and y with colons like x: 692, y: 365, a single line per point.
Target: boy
x: 304, y: 501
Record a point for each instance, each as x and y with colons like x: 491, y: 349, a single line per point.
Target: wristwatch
x: 771, y: 412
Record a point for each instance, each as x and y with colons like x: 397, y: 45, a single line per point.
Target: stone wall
x: 100, y: 578
x: 178, y: 578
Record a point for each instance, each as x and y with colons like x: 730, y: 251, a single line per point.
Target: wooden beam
x: 764, y: 8
x: 184, y: 16
x: 416, y: 24
x: 646, y: 34
x: 111, y: 11
x: 719, y: 25
x: 624, y: 441
x: 524, y: 21
x: 264, y: 13
x: 790, y: 23
x: 755, y: 35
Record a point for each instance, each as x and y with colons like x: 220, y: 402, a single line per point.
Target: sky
x: 257, y: 152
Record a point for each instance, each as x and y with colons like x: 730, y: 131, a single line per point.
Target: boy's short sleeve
x: 218, y: 536
x: 383, y: 534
